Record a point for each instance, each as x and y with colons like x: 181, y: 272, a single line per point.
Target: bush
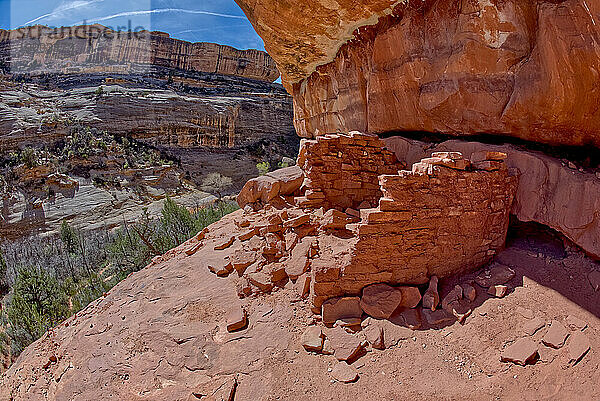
x: 35, y: 305
x: 100, y: 91
x: 29, y: 158
x: 263, y: 168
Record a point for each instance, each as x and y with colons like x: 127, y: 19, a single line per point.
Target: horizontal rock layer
x: 93, y: 48
x: 525, y: 69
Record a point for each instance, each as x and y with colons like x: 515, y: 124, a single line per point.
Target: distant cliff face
x: 96, y: 49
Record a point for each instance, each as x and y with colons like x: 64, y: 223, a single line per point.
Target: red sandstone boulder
x: 341, y: 308
x: 268, y: 187
x: 380, y: 300
x: 290, y: 179
x: 431, y: 298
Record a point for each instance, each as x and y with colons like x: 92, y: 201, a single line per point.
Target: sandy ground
x: 160, y: 335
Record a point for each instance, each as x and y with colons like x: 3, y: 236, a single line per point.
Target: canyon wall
x: 528, y: 69
x: 96, y: 49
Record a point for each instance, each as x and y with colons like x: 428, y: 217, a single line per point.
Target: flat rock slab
x: 344, y: 373
x: 522, y: 352
x: 575, y: 323
x: 556, y: 336
x: 381, y: 300
x: 579, y: 345
x: 594, y: 278
x: 532, y: 326
x: 497, y: 275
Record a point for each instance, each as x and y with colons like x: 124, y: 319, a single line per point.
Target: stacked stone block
x: 342, y: 170
x: 445, y: 216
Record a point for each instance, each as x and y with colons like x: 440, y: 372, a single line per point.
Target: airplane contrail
x: 69, y: 6
x: 161, y: 11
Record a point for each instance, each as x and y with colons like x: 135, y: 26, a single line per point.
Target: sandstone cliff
x: 526, y: 69
x: 95, y: 49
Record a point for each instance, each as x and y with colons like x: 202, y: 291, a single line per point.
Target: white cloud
x: 61, y: 10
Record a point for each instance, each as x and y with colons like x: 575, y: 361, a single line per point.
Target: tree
x: 3, y: 270
x: 216, y: 183
x: 69, y: 237
x: 36, y: 305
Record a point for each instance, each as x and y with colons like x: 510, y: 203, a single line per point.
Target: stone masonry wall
x: 445, y: 216
x: 341, y: 171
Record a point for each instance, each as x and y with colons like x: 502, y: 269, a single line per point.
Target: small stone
x: 277, y: 272
x: 532, y: 326
x: 572, y: 165
x: 302, y: 285
x: 353, y: 212
x: 237, y: 319
x: 411, y: 296
x: 431, y: 298
x: 312, y: 339
x: 344, y: 373
x: 575, y: 323
x: 453, y: 296
x: 297, y: 221
x: 202, y: 234
x: 260, y: 280
x: 374, y: 336
x: 594, y: 278
x: 193, y: 249
x: 242, y: 259
x: 469, y: 292
x: 335, y: 309
x: 498, y: 291
x: 497, y: 275
x: 556, y: 335
x: 222, y: 267
x: 246, y: 235
x: 333, y: 219
x: 522, y: 352
x: 380, y: 300
x: 224, y: 244
x: 410, y: 318
x: 364, y: 205
x: 327, y: 347
x: 347, y: 347
x: 579, y: 345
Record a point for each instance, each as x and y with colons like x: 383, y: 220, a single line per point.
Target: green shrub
x: 100, y: 91
x: 263, y: 168
x: 35, y: 305
x: 29, y: 158
x: 69, y: 237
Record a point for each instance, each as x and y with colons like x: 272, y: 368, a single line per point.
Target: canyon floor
x: 161, y: 334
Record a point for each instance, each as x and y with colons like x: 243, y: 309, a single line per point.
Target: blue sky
x: 219, y: 21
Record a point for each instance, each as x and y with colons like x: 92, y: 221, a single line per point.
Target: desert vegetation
x: 47, y: 279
